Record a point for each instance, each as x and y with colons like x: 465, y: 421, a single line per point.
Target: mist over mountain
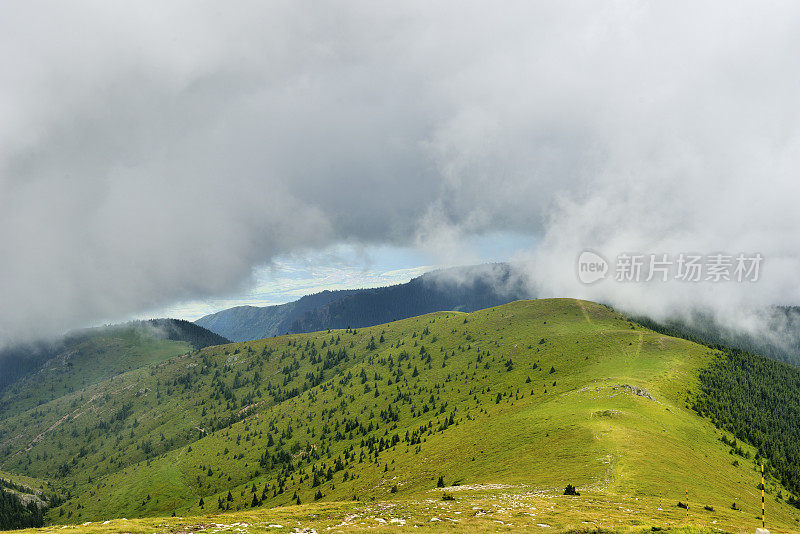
x: 634, y: 366
x: 121, y: 345
x: 464, y: 289
x: 775, y: 334
x: 271, y: 131
x: 778, y: 340
x: 180, y: 330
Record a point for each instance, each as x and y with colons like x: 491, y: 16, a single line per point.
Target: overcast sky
x: 156, y: 153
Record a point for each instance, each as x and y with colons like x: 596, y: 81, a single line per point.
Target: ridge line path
x: 585, y: 313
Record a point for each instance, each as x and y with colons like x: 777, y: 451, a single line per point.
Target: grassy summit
x: 520, y: 399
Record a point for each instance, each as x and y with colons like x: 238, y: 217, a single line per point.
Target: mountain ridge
x: 531, y: 394
x: 82, y: 357
x: 466, y: 288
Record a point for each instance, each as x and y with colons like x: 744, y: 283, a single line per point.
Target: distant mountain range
x: 468, y: 289
x: 459, y: 289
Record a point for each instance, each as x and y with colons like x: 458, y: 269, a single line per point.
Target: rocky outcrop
x: 641, y: 392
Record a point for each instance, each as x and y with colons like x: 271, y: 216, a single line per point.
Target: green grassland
x: 509, y: 510
x: 89, y: 357
x: 529, y: 396
x: 30, y: 484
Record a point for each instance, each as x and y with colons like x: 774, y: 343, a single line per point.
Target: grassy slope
x: 585, y: 430
x: 31, y: 484
x: 86, y: 360
x: 485, y: 511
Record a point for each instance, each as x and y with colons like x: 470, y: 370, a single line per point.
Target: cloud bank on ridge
x: 155, y: 154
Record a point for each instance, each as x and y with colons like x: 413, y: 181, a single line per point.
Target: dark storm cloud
x: 151, y: 153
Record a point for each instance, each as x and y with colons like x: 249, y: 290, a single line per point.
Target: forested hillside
x: 458, y: 288
x: 758, y: 401
x: 23, y: 359
x: 528, y: 396
x: 37, y: 373
x: 23, y: 501
x: 533, y: 394
x: 14, y: 514
x: 180, y: 330
x: 462, y: 289
x: 245, y: 323
x: 84, y: 357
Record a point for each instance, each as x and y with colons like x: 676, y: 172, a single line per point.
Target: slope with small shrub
x: 527, y: 397
x: 85, y: 357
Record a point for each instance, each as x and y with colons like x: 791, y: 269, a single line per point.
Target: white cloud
x: 153, y: 154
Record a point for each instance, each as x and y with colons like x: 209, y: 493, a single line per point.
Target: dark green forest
x: 180, y: 330
x: 462, y: 289
x: 14, y: 514
x: 758, y: 401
